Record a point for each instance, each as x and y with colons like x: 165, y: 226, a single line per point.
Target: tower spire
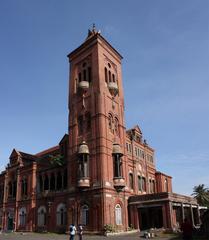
x: 93, y: 31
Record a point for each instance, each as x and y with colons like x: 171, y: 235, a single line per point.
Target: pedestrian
x: 80, y: 231
x: 187, y: 229
x: 72, y: 230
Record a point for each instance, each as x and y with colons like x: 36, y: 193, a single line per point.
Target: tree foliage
x: 57, y: 160
x: 201, y: 193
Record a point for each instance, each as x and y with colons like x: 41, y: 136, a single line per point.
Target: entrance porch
x: 158, y: 210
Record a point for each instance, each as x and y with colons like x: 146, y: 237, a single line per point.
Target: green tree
x: 201, y: 193
x: 57, y: 160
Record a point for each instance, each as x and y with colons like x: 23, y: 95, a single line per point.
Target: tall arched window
x: 118, y: 215
x: 52, y: 182
x: 84, y: 215
x: 41, y: 216
x: 150, y: 186
x: 113, y: 77
x: 153, y: 186
x: 110, y: 80
x: 106, y: 75
x: 61, y: 214
x: 10, y: 189
x: 22, y: 216
x: 116, y: 126
x: 143, y: 184
x: 59, y: 181
x: 46, y: 182
x: 84, y: 75
x: 89, y: 74
x: 110, y: 122
x: 131, y: 181
x: 139, y: 183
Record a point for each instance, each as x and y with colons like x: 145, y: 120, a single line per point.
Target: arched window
x: 116, y: 126
x: 143, y: 184
x: 41, y: 216
x: 89, y: 74
x: 14, y: 187
x: 79, y: 77
x: 118, y: 215
x: 24, y: 187
x: 110, y: 122
x: 106, y: 75
x: 46, y: 183
x: 52, y: 182
x: 84, y: 75
x: 61, y: 214
x: 150, y: 186
x: 59, y: 181
x: 139, y: 183
x: 22, y: 216
x: 153, y: 186
x: 131, y: 181
x: 84, y: 215
x: 40, y: 183
x: 110, y: 80
x: 10, y: 189
x: 113, y: 77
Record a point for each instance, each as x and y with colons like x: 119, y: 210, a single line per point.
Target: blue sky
x: 165, y: 45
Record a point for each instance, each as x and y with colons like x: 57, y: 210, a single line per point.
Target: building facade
x: 100, y: 173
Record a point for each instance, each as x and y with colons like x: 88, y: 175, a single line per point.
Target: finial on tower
x: 93, y: 31
x: 94, y: 28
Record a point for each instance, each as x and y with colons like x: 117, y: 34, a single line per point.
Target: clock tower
x: 97, y: 162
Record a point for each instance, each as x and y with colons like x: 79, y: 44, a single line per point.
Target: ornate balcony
x: 83, y: 182
x: 113, y: 88
x: 119, y: 183
x: 84, y: 85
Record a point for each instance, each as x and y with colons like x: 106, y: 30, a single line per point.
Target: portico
x: 166, y: 210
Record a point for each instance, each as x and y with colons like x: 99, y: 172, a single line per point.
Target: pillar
x: 198, y: 214
x: 182, y: 212
x: 192, y: 215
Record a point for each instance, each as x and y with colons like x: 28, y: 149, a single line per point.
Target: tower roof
x: 93, y: 37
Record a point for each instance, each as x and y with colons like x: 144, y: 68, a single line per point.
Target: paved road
x: 51, y: 236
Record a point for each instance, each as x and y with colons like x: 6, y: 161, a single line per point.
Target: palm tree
x: 201, y: 193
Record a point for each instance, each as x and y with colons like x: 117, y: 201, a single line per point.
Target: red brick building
x: 100, y: 173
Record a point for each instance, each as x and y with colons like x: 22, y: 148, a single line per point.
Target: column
x: 192, y: 215
x: 198, y: 214
x: 171, y: 214
x: 182, y: 212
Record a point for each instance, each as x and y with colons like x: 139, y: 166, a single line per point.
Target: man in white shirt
x: 72, y: 230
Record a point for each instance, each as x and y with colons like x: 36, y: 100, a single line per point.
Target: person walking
x: 80, y: 231
x: 72, y: 230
